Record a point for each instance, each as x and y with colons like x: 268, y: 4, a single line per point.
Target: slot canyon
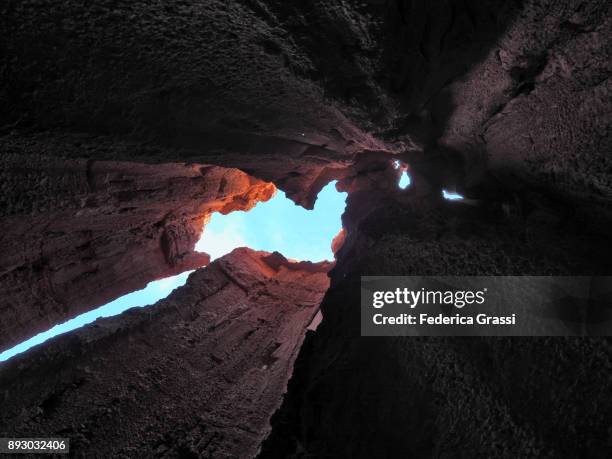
x: 471, y: 138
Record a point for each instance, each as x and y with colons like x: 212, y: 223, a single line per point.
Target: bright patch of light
x: 396, y: 164
x: 278, y: 225
x: 405, y: 180
x: 451, y: 196
x: 153, y: 292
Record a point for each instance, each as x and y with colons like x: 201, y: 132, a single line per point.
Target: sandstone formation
x: 506, y: 102
x: 76, y: 234
x: 195, y: 375
x: 219, y: 82
x: 446, y: 397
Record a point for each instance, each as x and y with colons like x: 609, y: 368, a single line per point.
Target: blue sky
x: 153, y: 292
x: 278, y: 225
x: 405, y: 180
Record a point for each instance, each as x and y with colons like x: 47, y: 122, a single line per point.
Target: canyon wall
x: 198, y: 374
x: 294, y: 92
x: 505, y: 102
x: 76, y: 233
x: 446, y: 397
x: 219, y: 82
x: 518, y: 120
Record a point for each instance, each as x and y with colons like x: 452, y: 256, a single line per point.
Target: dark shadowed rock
x: 363, y: 397
x: 220, y: 82
x: 507, y: 102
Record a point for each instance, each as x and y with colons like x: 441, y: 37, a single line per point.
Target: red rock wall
x: 77, y: 234
x: 196, y: 375
x: 506, y: 101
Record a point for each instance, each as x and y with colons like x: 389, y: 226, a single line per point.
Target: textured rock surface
x: 196, y: 375
x: 519, y: 121
x: 76, y: 234
x: 508, y: 102
x: 220, y: 82
x: 447, y: 397
x: 246, y: 83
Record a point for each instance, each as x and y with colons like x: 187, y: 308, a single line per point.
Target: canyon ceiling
x: 124, y: 124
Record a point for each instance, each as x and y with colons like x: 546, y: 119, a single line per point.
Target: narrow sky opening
x: 153, y: 292
x: 405, y: 180
x: 279, y: 225
x: 451, y: 196
x: 276, y: 225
